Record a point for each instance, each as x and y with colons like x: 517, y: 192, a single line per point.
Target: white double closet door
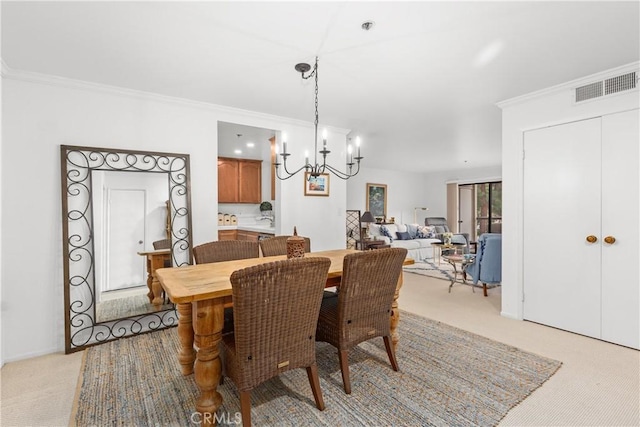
x: 581, y: 180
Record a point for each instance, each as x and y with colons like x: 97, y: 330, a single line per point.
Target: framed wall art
x: 377, y: 199
x: 316, y: 185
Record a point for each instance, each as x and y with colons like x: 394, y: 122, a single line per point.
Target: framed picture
x: 377, y: 199
x: 316, y: 185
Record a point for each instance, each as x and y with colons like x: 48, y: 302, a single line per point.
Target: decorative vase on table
x: 446, y: 237
x: 295, y: 245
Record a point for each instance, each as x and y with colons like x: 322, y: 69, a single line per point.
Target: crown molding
x: 627, y: 68
x: 51, y: 80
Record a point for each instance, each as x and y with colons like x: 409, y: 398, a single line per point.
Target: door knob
x: 610, y: 240
x: 592, y: 239
x: 140, y: 242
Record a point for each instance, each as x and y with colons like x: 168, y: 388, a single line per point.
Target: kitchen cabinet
x: 581, y: 229
x: 252, y: 236
x: 227, y: 234
x: 239, y: 180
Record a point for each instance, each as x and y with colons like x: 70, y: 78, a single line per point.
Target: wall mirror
x: 115, y: 204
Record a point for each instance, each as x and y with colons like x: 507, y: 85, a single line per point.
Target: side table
x: 367, y: 245
x: 155, y: 260
x: 463, y: 261
x: 439, y: 247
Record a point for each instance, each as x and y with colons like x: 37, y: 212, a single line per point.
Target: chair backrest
x: 438, y: 221
x: 162, y: 244
x: 275, y: 309
x: 225, y: 250
x: 277, y: 245
x: 489, y: 257
x: 369, y: 281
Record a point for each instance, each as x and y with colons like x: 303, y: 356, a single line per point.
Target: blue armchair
x: 487, y: 267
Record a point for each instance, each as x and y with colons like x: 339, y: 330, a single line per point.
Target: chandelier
x: 316, y: 168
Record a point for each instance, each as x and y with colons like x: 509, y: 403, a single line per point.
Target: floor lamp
x: 415, y: 214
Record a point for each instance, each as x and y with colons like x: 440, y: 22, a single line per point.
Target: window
x: 480, y: 208
x: 489, y: 207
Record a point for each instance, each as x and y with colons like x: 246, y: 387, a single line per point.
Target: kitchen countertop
x: 257, y: 228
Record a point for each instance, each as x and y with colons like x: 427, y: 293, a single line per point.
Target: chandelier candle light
x: 316, y: 169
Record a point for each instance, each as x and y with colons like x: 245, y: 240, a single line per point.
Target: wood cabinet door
x: 249, y: 236
x: 227, y: 234
x: 250, y: 181
x: 228, y: 172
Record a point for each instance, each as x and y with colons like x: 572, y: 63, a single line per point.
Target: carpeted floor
x: 444, y: 271
x: 447, y: 377
x: 431, y: 268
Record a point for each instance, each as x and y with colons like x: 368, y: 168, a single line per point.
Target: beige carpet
x: 598, y: 384
x: 448, y: 377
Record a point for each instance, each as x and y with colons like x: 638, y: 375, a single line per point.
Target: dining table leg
x: 187, y: 354
x: 208, y: 321
x: 395, y: 315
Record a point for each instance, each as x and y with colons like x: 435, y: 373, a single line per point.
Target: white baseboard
x: 30, y: 355
x: 513, y: 316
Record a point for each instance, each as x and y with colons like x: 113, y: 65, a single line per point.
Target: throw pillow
x: 401, y: 228
x: 426, y: 232
x: 413, y: 230
x: 386, y: 232
x: 403, y: 235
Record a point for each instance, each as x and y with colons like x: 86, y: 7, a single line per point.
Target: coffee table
x: 462, y: 261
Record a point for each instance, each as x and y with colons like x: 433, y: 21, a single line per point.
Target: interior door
x: 620, y: 219
x: 126, y: 225
x: 561, y: 197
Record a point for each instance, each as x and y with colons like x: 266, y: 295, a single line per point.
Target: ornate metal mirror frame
x: 77, y: 164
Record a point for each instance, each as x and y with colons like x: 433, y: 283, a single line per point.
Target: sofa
x: 416, y: 239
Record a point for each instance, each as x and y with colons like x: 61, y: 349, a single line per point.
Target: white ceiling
x: 420, y: 87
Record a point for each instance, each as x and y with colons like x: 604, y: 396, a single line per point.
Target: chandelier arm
x: 342, y: 175
x: 289, y: 174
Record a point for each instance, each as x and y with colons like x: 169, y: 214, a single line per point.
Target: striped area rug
x: 431, y: 268
x: 448, y: 377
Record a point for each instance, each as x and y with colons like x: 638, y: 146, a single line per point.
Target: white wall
x: 545, y: 108
x: 40, y: 113
x: 436, y: 185
x: 322, y: 218
x: 406, y: 190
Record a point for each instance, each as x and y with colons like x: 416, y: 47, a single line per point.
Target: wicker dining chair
x: 277, y: 245
x: 225, y: 250
x: 162, y: 244
x: 362, y: 309
x: 276, y: 310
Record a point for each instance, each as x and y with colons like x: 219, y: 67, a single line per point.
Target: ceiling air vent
x: 590, y: 91
x: 620, y: 83
x: 607, y: 87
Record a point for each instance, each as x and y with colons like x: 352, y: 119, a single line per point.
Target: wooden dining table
x: 201, y: 292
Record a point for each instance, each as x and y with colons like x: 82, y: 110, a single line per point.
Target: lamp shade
x: 367, y: 217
